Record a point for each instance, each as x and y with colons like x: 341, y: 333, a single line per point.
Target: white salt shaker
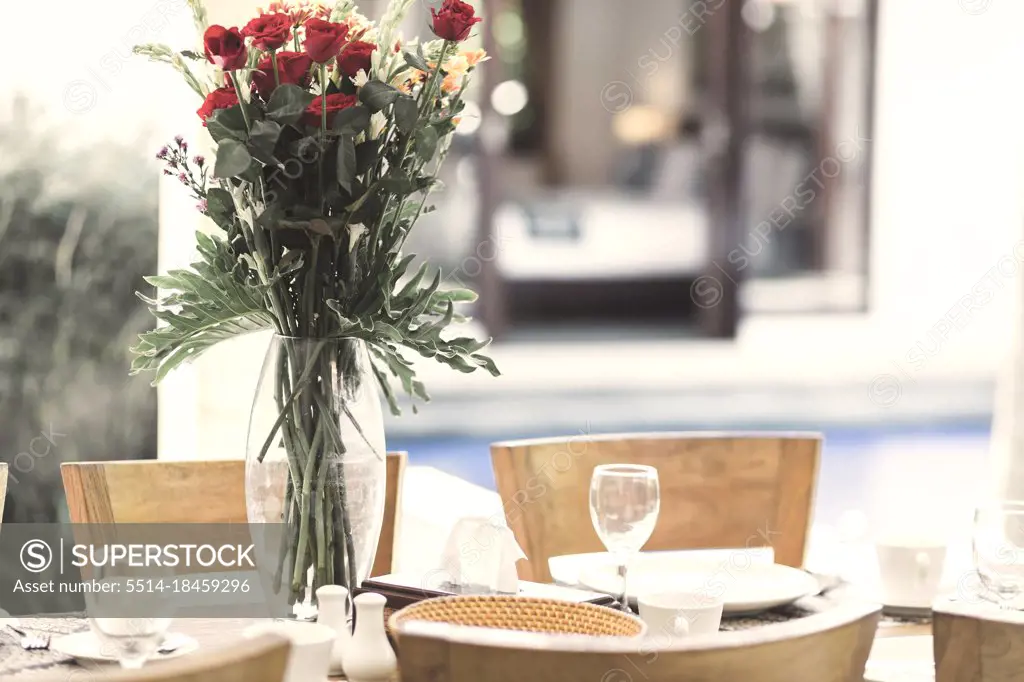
x: 369, y: 656
x: 332, y: 611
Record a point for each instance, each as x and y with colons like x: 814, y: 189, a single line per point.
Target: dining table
x: 213, y: 633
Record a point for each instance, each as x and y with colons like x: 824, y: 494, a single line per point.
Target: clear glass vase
x: 315, y: 462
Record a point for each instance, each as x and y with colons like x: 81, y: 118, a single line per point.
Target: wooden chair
x: 718, y: 490
x: 3, y: 488
x: 261, y: 659
x: 829, y: 646
x: 975, y: 644
x: 157, y: 491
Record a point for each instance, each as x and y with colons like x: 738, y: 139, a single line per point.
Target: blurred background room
x: 679, y: 215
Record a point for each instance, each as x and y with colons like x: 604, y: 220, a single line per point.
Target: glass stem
x: 132, y: 662
x: 624, y: 600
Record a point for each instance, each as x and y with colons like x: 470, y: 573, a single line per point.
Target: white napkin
x: 480, y: 556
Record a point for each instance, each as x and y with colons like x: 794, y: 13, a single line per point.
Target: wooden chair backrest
x: 831, y: 646
x: 718, y: 490
x: 3, y: 488
x: 977, y: 643
x: 201, y: 491
x: 261, y: 659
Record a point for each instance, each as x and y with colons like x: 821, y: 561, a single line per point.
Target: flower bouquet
x: 328, y: 131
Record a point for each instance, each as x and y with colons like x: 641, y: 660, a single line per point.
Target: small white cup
x: 678, y: 614
x: 910, y: 570
x: 310, y: 657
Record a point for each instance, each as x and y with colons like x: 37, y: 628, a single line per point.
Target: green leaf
x: 161, y: 282
x: 487, y: 363
x: 406, y: 114
x: 319, y: 226
x: 232, y: 159
x: 385, y: 387
x: 220, y: 206
x: 432, y: 331
x: 288, y: 103
x: 399, y: 269
x: 227, y: 124
x: 207, y: 304
x: 426, y: 143
x: 263, y: 135
x: 427, y: 182
x: 401, y: 368
x: 414, y: 283
x: 397, y: 184
x: 289, y: 263
x: 270, y: 217
x: 370, y: 210
x: 422, y: 301
x: 416, y: 61
x: 377, y: 96
x: 346, y: 162
x: 352, y: 121
x: 454, y: 295
x: 367, y: 154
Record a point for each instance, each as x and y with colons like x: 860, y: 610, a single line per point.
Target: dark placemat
x: 794, y: 611
x: 14, y: 659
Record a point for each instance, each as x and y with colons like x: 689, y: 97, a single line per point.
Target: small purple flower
x: 182, y: 177
x: 201, y: 206
x: 162, y: 154
x: 179, y: 139
x: 199, y: 160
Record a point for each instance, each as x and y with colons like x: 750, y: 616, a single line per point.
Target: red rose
x: 225, y: 47
x: 454, y: 21
x: 269, y: 31
x: 335, y: 103
x: 221, y: 98
x: 355, y: 56
x: 292, y: 67
x: 324, y: 39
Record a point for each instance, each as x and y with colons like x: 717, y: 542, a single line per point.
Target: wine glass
x: 998, y: 548
x: 130, y: 611
x: 132, y: 640
x: 624, y: 505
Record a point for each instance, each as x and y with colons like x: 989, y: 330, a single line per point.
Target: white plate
x: 901, y: 659
x: 746, y: 580
x: 566, y: 569
x: 85, y: 647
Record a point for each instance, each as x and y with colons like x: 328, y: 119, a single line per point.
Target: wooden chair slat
x: 977, y: 642
x: 3, y: 488
x: 192, y: 491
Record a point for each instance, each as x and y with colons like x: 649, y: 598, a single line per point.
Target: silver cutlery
x: 31, y: 642
x: 171, y: 643
x: 168, y: 648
